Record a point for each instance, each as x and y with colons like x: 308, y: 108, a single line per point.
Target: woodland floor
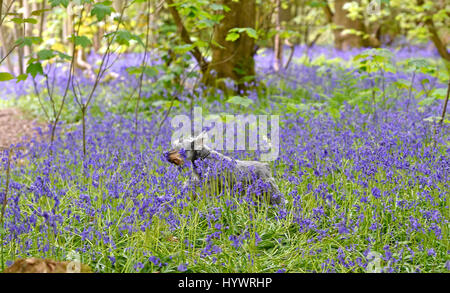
x: 16, y: 127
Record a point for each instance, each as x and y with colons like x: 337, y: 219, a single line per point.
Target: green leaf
x: 432, y: 119
x: 428, y: 70
x: 5, y: 76
x: 205, y: 23
x: 440, y: 93
x: 138, y: 40
x: 32, y: 60
x: 388, y: 67
x: 217, y: 44
x: 427, y: 101
x: 424, y: 81
x: 232, y: 37
x: 351, y: 31
x: 133, y: 70
x: 35, y: 68
x: 251, y: 33
x: 226, y: 8
x: 316, y: 3
x: 247, y: 78
x: 45, y: 54
x: 63, y: 55
x: 21, y: 42
x: 55, y: 3
x: 216, y: 7
x: 23, y: 20
x: 182, y: 49
x: 102, y: 9
x: 39, y: 12
x: 17, y: 20
x: 380, y: 52
x: 360, y: 56
x: 165, y: 104
x: 241, y: 101
x: 417, y: 63
x: 28, y: 41
x: 123, y: 37
x: 22, y: 77
x: 402, y: 83
x: 83, y: 41
x: 30, y: 20
x: 148, y: 70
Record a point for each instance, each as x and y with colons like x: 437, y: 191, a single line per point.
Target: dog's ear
x: 200, y: 140
x: 204, y: 135
x: 205, y: 138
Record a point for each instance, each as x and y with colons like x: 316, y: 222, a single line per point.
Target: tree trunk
x: 43, y: 19
x: 434, y: 35
x: 28, y: 27
x: 235, y: 60
x: 278, y: 44
x: 18, y: 32
x: 348, y: 40
x: 185, y: 36
x: 340, y: 18
x: 97, y: 43
x: 440, y: 46
x: 6, y: 47
x: 67, y: 25
x: 282, y: 16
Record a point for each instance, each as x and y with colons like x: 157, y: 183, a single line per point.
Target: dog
x: 253, y: 176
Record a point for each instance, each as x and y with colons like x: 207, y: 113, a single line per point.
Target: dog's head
x: 189, y: 149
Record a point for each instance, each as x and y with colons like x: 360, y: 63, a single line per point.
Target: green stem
x: 8, y: 168
x: 443, y: 113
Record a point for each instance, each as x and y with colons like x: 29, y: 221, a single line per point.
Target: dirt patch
x: 37, y: 265
x: 15, y: 127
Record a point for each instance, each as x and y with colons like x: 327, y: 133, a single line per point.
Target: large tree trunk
x: 340, y: 18
x: 348, y: 40
x: 235, y: 60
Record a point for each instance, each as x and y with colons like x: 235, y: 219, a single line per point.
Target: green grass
x: 282, y: 245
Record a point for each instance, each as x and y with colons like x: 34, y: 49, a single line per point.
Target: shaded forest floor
x: 16, y: 127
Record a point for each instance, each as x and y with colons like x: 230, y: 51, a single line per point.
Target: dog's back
x: 253, y: 177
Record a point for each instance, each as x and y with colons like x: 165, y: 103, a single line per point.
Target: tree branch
x: 185, y: 36
x: 328, y: 13
x: 440, y: 46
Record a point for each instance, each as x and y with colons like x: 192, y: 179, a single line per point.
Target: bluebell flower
x: 182, y: 267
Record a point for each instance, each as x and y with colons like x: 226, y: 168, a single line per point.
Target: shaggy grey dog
x: 254, y: 176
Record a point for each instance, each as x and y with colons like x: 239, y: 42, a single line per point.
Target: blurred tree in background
x: 222, y: 36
